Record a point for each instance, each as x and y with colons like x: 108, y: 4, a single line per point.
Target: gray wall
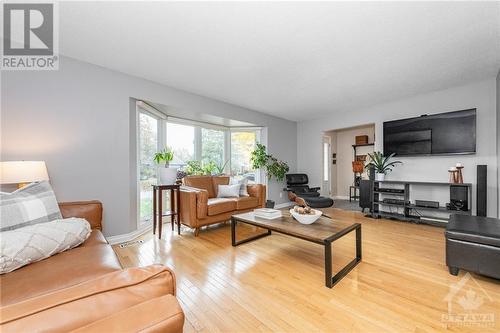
x: 480, y: 95
x: 498, y: 140
x: 78, y: 119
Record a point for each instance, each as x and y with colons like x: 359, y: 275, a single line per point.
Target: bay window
x: 218, y: 148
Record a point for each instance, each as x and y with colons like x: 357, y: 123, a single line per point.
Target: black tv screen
x: 437, y: 134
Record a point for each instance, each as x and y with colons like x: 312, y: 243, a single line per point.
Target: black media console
x: 401, y: 208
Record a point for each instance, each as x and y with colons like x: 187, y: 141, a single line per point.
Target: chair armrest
x: 89, y: 210
x: 314, y: 189
x: 194, y: 204
x: 258, y: 191
x: 161, y: 314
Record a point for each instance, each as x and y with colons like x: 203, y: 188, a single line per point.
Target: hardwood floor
x: 277, y: 283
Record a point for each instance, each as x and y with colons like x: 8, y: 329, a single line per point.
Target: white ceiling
x: 293, y: 60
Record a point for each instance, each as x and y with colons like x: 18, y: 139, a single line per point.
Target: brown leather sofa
x: 85, y: 289
x: 200, y: 206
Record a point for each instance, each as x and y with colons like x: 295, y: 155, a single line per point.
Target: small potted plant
x: 168, y: 175
x: 381, y: 164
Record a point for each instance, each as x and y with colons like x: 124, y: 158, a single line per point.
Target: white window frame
x: 143, y: 108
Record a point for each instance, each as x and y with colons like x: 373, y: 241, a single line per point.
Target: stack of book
x: 267, y: 213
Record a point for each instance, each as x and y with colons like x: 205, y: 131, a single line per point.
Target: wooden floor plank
x: 276, y: 284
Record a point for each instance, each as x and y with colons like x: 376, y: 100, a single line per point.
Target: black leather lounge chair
x: 297, y: 186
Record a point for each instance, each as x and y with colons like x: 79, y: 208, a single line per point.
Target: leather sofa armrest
x: 194, y: 204
x: 161, y: 314
x: 89, y: 210
x: 258, y: 191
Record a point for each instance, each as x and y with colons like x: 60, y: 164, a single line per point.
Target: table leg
x: 160, y: 213
x: 172, y: 208
x: 154, y: 211
x: 178, y: 210
x: 234, y: 242
x: 330, y: 280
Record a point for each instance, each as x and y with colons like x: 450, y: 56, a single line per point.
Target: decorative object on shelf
x: 460, y: 177
x: 382, y: 164
x: 274, y: 167
x: 361, y: 139
x: 453, y: 175
x: 357, y: 167
x: 22, y: 172
x: 168, y: 175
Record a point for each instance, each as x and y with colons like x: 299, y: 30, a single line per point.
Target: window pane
x: 242, y: 144
x: 148, y: 145
x: 181, y: 139
x: 212, y: 146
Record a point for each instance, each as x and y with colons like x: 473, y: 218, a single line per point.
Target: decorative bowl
x: 306, y: 218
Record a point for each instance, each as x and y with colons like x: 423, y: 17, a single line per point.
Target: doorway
x: 343, y: 151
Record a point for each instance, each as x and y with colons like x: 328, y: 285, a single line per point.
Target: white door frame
x: 326, y: 165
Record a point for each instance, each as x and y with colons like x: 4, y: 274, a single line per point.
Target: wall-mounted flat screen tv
x: 437, y: 134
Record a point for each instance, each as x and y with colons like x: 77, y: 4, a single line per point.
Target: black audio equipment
x: 393, y: 201
x: 459, y: 197
x: 391, y: 190
x: 481, y: 191
x: 427, y: 203
x: 365, y: 194
x: 371, y: 173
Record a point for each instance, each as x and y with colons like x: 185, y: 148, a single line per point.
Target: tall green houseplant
x: 274, y: 168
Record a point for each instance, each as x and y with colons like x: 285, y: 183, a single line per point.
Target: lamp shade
x: 15, y: 172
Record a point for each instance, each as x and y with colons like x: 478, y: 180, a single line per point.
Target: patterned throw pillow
x: 25, y: 245
x: 243, y: 186
x: 32, y: 204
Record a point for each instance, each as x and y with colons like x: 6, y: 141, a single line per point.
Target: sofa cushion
x: 228, y: 191
x: 92, y: 259
x: 220, y: 205
x: 246, y: 203
x: 219, y: 180
x: 32, y: 204
x: 475, y: 229
x: 202, y: 182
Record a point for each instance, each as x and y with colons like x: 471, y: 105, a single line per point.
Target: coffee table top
x: 324, y: 229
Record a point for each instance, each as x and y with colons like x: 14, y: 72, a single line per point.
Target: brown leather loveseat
x: 200, y: 206
x: 85, y: 289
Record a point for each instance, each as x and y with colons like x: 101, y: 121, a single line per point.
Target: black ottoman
x: 473, y: 244
x: 318, y: 202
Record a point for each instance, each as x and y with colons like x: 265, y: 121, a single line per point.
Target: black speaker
x: 371, y: 173
x: 459, y: 197
x: 365, y: 194
x: 481, y: 190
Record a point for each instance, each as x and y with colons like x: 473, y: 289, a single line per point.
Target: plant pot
x: 269, y: 204
x: 168, y: 176
x: 380, y: 177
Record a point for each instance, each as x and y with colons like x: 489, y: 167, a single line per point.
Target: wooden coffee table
x: 324, y: 231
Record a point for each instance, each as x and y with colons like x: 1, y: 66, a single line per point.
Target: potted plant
x: 274, y: 168
x: 168, y: 175
x: 381, y: 164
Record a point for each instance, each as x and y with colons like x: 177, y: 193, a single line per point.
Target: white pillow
x: 243, y: 186
x: 229, y: 191
x: 22, y: 246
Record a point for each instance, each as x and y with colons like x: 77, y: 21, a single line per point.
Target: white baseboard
x: 130, y: 236
x: 284, y: 205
